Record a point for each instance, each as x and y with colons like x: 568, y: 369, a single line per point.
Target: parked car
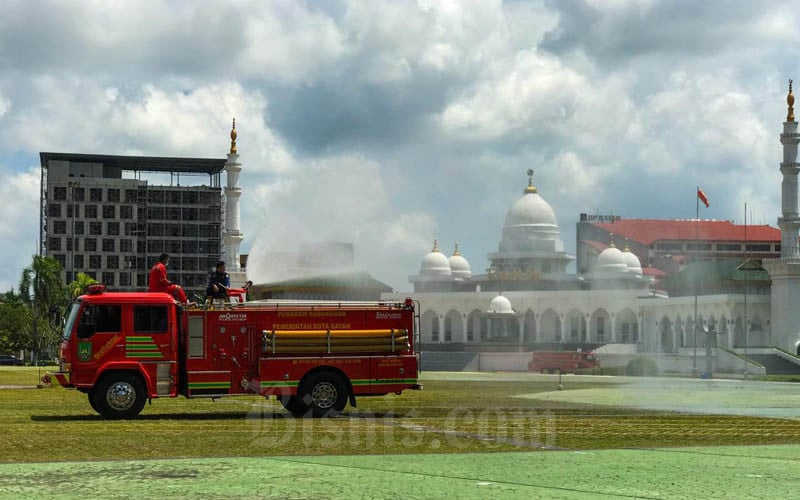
x: 10, y: 360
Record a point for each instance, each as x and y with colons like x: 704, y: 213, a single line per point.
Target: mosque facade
x: 527, y: 301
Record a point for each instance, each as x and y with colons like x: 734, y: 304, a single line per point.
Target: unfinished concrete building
x: 111, y: 216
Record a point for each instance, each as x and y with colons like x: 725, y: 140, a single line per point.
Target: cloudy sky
x: 390, y: 123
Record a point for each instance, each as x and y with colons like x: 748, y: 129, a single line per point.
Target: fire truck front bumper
x: 63, y: 379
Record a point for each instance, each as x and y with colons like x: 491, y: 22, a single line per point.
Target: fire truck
x: 123, y: 349
x: 561, y: 361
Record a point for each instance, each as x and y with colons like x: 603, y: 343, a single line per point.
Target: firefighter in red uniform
x: 159, y: 283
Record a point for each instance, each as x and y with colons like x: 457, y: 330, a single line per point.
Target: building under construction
x: 105, y: 216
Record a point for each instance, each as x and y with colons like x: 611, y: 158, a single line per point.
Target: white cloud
x: 340, y: 198
x: 19, y: 226
x: 389, y: 123
x: 4, y: 105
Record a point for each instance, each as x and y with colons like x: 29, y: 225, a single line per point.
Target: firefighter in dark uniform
x: 219, y: 282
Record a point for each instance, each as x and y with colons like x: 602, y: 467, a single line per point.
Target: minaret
x: 231, y: 235
x: 789, y: 222
x: 785, y: 272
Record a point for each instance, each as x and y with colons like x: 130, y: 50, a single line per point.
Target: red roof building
x: 670, y: 244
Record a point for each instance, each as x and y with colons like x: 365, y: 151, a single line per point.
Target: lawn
x: 483, y: 413
x: 23, y: 375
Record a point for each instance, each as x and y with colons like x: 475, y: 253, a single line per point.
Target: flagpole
x: 696, y: 238
x: 746, y: 277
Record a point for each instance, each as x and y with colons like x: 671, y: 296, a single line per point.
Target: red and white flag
x: 702, y: 196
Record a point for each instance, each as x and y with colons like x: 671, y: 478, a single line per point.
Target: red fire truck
x: 561, y: 361
x: 123, y: 349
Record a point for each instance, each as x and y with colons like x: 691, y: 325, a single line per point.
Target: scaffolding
x: 183, y: 221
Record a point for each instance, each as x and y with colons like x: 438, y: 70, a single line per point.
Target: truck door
x: 99, y: 340
x: 153, y: 343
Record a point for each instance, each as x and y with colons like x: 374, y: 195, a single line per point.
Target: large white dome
x: 531, y: 209
x: 500, y: 305
x: 530, y: 228
x: 459, y: 266
x: 435, y: 263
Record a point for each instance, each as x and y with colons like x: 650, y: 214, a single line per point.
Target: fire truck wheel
x: 292, y: 405
x: 119, y: 395
x: 324, y: 393
x: 92, y: 401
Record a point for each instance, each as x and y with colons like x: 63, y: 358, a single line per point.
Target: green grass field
x: 455, y: 413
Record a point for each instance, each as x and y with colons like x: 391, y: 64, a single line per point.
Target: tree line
x: 31, y: 317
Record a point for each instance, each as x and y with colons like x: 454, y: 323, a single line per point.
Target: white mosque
x: 527, y: 301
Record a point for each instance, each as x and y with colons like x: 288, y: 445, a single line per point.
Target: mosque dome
x: 632, y: 261
x: 611, y: 262
x: 500, y: 305
x: 459, y: 266
x: 435, y: 263
x: 530, y: 227
x: 531, y: 209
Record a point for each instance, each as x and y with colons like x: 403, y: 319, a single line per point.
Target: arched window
x: 529, y: 327
x: 473, y: 325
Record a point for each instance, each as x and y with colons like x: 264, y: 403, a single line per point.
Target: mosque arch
x: 722, y: 332
x: 711, y: 336
x: 453, y: 326
x: 529, y: 327
x: 474, y: 326
x: 576, y: 326
x: 665, y: 335
x: 688, y: 332
x: 626, y: 327
x: 677, y: 333
x: 757, y: 335
x: 738, y: 332
x: 550, y: 327
x: 430, y: 326
x: 600, y: 326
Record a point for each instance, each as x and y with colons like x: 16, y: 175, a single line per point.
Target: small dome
x: 611, y: 260
x: 435, y: 263
x: 500, y: 305
x: 632, y: 261
x: 459, y: 265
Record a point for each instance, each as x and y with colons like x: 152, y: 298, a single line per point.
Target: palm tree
x: 79, y: 286
x: 43, y: 292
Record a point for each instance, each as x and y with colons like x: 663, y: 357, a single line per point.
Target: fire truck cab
x: 123, y: 349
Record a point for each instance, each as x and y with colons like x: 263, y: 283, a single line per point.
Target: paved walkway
x: 718, y: 472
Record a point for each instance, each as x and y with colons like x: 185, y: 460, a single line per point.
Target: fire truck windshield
x: 73, y: 313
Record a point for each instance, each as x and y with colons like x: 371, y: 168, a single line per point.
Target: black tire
x: 324, y: 394
x: 91, y: 401
x: 293, y: 405
x: 119, y: 395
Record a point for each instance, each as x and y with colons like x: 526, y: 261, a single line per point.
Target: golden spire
x: 612, y: 245
x: 455, y: 252
x: 435, y: 246
x: 627, y: 247
x: 233, y: 137
x: 531, y: 188
x: 790, y: 102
